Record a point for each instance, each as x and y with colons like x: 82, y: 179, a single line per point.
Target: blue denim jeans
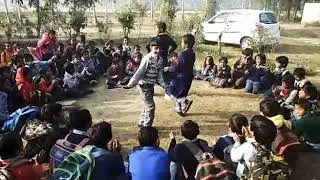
x: 253, y: 87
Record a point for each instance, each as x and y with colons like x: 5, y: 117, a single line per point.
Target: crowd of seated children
x: 208, y: 70
x: 223, y: 76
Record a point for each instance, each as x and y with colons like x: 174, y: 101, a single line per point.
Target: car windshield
x: 268, y: 18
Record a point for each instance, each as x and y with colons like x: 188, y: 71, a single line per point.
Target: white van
x: 243, y: 27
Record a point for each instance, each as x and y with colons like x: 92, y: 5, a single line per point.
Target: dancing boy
x: 149, y: 73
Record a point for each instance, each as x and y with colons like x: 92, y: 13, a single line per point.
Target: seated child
x: 242, y: 67
x: 310, y: 93
x: 48, y: 85
x: 208, y: 70
x: 137, y: 49
x: 114, y: 75
x: 71, y: 48
x: 126, y: 47
x: 307, y: 125
x: 287, y: 93
x: 108, y: 48
x: 104, y: 62
x: 254, y: 84
x: 223, y: 77
x: 132, y: 66
x: 24, y: 83
x: 300, y: 76
x: 89, y: 63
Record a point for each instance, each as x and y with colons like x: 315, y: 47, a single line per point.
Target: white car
x: 243, y: 27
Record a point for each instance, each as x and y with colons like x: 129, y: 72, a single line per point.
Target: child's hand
x: 172, y: 135
x: 213, y: 141
x: 236, y: 137
x: 114, y: 146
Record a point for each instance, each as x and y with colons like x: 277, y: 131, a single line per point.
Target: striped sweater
x: 150, y: 71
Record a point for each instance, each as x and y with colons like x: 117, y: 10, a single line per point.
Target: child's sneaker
x: 187, y: 106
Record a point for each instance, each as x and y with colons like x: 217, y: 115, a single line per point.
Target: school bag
x: 266, y: 168
x: 17, y: 119
x: 79, y: 165
x: 285, y: 140
x: 209, y: 167
x: 64, y: 148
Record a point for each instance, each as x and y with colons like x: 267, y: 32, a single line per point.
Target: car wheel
x: 246, y: 43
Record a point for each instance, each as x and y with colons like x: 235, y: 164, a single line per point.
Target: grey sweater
x: 150, y: 71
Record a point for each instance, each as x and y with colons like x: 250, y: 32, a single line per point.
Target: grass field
x: 212, y: 107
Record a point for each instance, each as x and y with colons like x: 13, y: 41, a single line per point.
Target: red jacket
x: 25, y: 87
x: 46, y: 87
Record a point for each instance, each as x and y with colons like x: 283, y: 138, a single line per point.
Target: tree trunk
x: 7, y: 11
x: 182, y: 9
x: 52, y: 11
x: 38, y: 18
x: 106, y: 13
x: 152, y: 9
x: 95, y: 20
x: 19, y: 12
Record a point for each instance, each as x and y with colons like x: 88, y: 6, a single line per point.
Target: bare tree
x: 6, y: 9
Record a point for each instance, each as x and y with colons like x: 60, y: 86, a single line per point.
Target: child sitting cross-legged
x: 208, y: 70
x: 254, y: 84
x: 114, y: 75
x: 300, y: 78
x: 307, y: 125
x: 223, y: 77
x: 287, y: 93
x: 47, y: 84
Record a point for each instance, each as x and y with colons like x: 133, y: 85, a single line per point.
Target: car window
x: 222, y: 18
x: 235, y: 17
x: 268, y: 18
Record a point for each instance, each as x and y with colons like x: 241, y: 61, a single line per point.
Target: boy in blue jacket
x: 183, y: 71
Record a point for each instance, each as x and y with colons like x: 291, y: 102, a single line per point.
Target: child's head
x: 223, y: 61
x: 190, y: 130
x: 288, y: 81
x: 26, y: 73
x: 126, y: 40
x: 263, y: 130
x: 52, y: 113
x: 85, y: 55
x: 236, y: 123
x: 46, y: 72
x: 282, y: 62
x: 100, y: 134
x: 82, y: 38
x: 162, y: 27
x: 137, y: 48
x: 137, y: 57
x: 269, y: 108
x: 208, y: 61
x: 69, y: 68
x: 308, y: 92
x: 155, y: 46
x: 52, y: 33
x: 28, y: 59
x: 247, y: 53
x: 73, y: 41
x: 109, y: 43
x: 301, y: 107
x: 187, y: 41
x: 260, y: 59
x: 80, y: 119
x: 173, y: 57
x: 148, y: 136
x: 10, y: 145
x: 299, y: 74
x: 18, y: 60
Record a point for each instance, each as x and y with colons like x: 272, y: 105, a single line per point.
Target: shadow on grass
x: 298, y: 49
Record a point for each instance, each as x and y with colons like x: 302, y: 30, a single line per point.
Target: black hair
x: 100, y: 134
x: 137, y: 55
x: 80, y: 119
x: 190, y: 130
x: 85, y: 52
x: 109, y: 42
x: 4, y: 69
x: 264, y: 130
x: 173, y: 54
x: 49, y: 111
x: 126, y: 37
x: 10, y: 145
x: 270, y: 107
x: 283, y: 60
x: 51, y: 31
x: 303, y: 103
x: 289, y: 80
x: 211, y: 61
x: 137, y: 46
x: 262, y: 57
x: 247, y: 52
x: 162, y: 27
x: 25, y: 71
x: 311, y: 91
x: 28, y: 57
x: 236, y: 123
x: 68, y: 67
x: 148, y: 136
x: 299, y: 72
x: 82, y: 37
x: 155, y: 41
x: 223, y: 59
x: 189, y: 40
